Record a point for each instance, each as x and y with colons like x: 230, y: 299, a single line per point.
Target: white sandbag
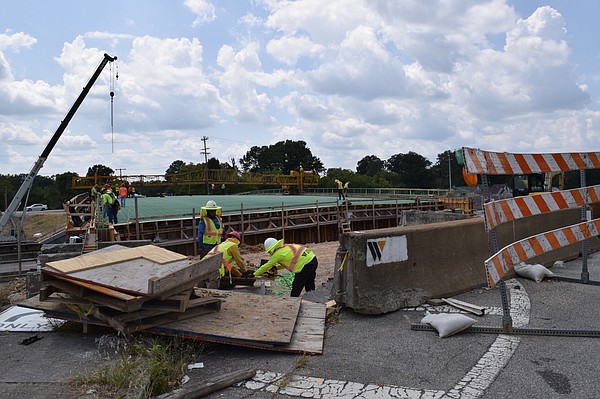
x: 447, y: 324
x: 535, y: 272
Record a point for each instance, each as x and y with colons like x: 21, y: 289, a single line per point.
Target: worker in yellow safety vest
x: 340, y: 189
x: 210, y: 228
x: 296, y: 258
x: 231, y: 254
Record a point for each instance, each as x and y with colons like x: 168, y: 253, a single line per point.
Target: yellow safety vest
x: 227, y: 258
x: 294, y: 260
x: 212, y: 235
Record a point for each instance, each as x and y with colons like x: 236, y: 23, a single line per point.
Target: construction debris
x: 152, y: 289
x: 130, y: 289
x: 202, y: 388
x: 469, y: 307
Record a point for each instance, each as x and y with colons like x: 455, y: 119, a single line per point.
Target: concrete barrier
x: 388, y: 269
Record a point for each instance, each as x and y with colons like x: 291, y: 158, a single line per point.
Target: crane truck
x: 28, y: 182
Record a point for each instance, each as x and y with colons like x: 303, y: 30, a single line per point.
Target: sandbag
x: 447, y: 324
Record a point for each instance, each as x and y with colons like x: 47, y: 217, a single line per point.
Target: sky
x: 351, y: 78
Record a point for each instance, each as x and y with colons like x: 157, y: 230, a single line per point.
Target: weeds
x: 4, y: 293
x: 300, y: 362
x: 143, y: 369
x: 12, y: 287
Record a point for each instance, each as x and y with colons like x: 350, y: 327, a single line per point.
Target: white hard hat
x: 211, y: 203
x: 270, y: 244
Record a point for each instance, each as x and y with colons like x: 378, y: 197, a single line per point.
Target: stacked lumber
x: 132, y: 289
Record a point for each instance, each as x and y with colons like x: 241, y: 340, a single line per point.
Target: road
x: 377, y: 356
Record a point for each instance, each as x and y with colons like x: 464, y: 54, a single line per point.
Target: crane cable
x: 112, y: 95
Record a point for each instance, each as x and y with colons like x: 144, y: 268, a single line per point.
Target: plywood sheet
x: 94, y: 259
x: 246, y: 317
x: 142, y: 276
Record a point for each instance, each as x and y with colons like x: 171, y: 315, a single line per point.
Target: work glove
x: 272, y: 272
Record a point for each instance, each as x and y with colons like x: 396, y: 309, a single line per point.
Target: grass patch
x: 146, y: 367
x: 39, y: 222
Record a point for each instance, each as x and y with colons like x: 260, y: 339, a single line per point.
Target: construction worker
x: 210, y: 228
x: 346, y: 189
x: 298, y: 259
x: 231, y: 253
x: 123, y: 194
x: 94, y: 192
x: 107, y: 199
x: 340, y: 189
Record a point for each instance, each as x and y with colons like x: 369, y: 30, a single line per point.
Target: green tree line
x: 408, y: 170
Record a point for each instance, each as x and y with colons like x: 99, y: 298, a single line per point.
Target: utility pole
x: 121, y: 173
x: 205, y: 152
x: 449, y: 174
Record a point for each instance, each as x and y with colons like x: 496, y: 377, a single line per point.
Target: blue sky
x: 350, y: 77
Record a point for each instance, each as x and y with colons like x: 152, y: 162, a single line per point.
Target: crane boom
x: 28, y: 182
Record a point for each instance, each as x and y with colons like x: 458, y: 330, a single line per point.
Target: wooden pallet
x: 64, y: 290
x: 127, y: 323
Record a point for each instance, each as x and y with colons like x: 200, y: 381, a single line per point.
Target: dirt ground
x: 325, y: 252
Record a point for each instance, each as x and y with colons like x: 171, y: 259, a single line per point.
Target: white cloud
x: 204, y: 10
x: 288, y: 49
x: 16, y: 41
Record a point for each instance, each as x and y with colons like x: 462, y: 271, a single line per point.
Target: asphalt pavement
x: 374, y: 356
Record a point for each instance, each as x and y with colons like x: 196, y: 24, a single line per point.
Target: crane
x: 28, y: 182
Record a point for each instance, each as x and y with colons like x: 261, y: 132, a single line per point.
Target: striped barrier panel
x: 502, y: 211
x: 505, y: 259
x: 503, y: 163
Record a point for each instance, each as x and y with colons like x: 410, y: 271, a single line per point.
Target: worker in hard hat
x: 298, y: 259
x: 210, y: 228
x: 231, y: 254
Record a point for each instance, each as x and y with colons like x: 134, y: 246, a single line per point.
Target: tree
x: 282, y: 157
x: 100, y: 170
x: 440, y: 169
x: 370, y: 165
x: 412, y: 168
x: 175, y: 167
x: 63, y: 184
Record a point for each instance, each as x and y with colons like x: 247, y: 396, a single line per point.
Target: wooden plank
x: 157, y: 284
x: 152, y: 253
x: 48, y: 278
x: 128, y: 323
x: 203, y: 388
x: 92, y: 297
x: 309, y: 331
x: 115, y: 299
